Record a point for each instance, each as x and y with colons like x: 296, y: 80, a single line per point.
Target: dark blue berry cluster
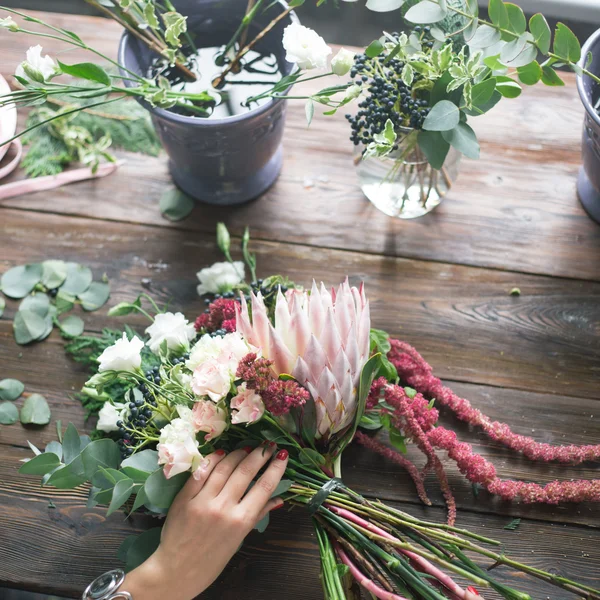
x: 389, y: 97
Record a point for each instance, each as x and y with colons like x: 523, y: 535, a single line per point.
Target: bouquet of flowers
x: 270, y: 363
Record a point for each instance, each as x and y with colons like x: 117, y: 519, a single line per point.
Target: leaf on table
x: 71, y: 326
x: 2, y: 305
x: 9, y: 413
x: 35, y: 411
x: 175, y: 205
x: 28, y: 326
x: 19, y: 281
x: 38, y: 303
x: 78, y: 280
x: 95, y: 296
x: 54, y: 273
x: 10, y: 389
x: 513, y: 525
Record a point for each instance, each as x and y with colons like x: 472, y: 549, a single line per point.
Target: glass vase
x: 403, y: 184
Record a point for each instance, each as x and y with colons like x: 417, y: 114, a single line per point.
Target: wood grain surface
x: 441, y: 283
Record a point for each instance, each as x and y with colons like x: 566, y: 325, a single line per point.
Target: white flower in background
x: 342, y: 62
x: 220, y: 277
x: 178, y: 448
x: 109, y: 415
x: 123, y: 355
x: 305, y: 47
x: 173, y: 328
x: 37, y: 67
x: 247, y: 406
x: 10, y: 24
x: 352, y: 92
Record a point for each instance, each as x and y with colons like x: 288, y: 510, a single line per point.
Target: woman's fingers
x: 196, y: 482
x: 246, y: 471
x: 272, y: 504
x: 221, y: 474
x: 258, y: 497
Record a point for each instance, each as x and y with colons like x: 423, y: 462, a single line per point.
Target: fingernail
x: 278, y: 507
x: 272, y: 444
x: 282, y: 455
x: 220, y: 452
x: 247, y: 449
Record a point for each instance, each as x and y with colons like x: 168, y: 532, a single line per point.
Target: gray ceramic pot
x: 220, y: 161
x: 588, y: 184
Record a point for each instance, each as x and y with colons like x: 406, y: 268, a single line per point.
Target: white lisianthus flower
x: 205, y: 349
x: 123, y: 355
x: 10, y: 24
x: 109, y: 415
x: 305, y: 47
x: 342, y: 62
x: 172, y: 328
x: 220, y: 277
x: 37, y: 67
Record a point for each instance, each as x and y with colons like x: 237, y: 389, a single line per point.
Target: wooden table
x: 441, y: 283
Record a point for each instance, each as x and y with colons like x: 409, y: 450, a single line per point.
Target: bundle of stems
x: 395, y: 556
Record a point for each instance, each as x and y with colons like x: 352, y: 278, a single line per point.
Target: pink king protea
x: 322, y: 339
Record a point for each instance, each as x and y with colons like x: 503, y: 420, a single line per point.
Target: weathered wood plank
x: 39, y: 544
x: 514, y: 209
x: 462, y: 319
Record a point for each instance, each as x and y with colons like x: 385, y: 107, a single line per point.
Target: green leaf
x: 384, y: 5
x: 308, y: 456
x: 282, y: 487
x: 71, y: 326
x: 35, y: 410
x: 162, y: 491
x: 517, y: 23
x: 434, y: 147
x: 95, y: 296
x: 387, y: 369
x: 63, y: 302
x: 150, y: 16
x: 38, y: 303
x: 175, y: 205
x: 121, y: 494
x: 541, y: 31
x: 398, y: 440
x: 381, y: 340
x: 443, y: 116
x: 28, y: 326
x: 101, y: 453
x: 71, y: 444
x: 375, y: 48
x: 309, y: 111
x: 498, y: 13
x: 54, y: 447
x: 410, y: 392
x: 140, y: 499
x: 65, y: 478
x: 10, y: 389
x: 124, y: 308
x: 550, y: 77
x: 370, y: 422
x: 9, y: 413
x: 262, y: 525
x: 2, y: 305
x: 88, y: 71
x: 425, y: 12
x: 525, y: 57
x: 135, y: 475
x: 508, y: 87
x: 482, y: 92
x: 512, y: 49
x: 485, y: 37
x: 463, y: 138
x: 142, y: 548
x: 54, y: 273
x: 40, y: 465
x: 530, y: 74
x: 19, y: 281
x: 566, y: 44
x: 146, y: 460
x: 513, y: 525
x: 78, y: 280
x: 175, y: 25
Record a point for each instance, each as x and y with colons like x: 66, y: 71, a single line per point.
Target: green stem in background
x: 242, y: 31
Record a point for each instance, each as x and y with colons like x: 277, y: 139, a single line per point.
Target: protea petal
x: 282, y: 358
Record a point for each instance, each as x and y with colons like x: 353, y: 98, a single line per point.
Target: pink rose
x: 247, y: 406
x: 208, y: 417
x: 212, y: 379
x: 179, y: 456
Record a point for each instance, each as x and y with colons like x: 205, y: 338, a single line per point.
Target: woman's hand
x: 207, y: 522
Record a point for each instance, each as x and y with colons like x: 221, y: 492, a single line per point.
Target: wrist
x: 152, y: 581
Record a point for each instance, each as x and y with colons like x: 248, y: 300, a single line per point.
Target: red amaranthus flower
x: 220, y: 314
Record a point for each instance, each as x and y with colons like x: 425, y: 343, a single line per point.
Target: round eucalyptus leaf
x: 95, y: 296
x: 72, y: 326
x: 38, y: 303
x: 35, y: 411
x: 54, y: 273
x: 9, y: 413
x: 78, y: 279
x: 175, y: 205
x: 10, y: 389
x: 64, y: 302
x: 49, y: 327
x: 19, y: 281
x: 2, y: 305
x: 28, y: 326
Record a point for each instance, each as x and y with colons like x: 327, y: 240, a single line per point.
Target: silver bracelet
x: 106, y: 587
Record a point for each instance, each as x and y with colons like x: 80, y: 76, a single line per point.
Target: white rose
x: 109, y: 415
x: 178, y: 430
x: 123, y: 355
x: 175, y: 329
x: 37, y: 67
x: 220, y: 277
x: 305, y: 47
x: 206, y: 348
x: 212, y: 379
x: 228, y: 349
x: 342, y: 62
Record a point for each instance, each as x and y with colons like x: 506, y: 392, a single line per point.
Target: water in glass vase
x: 405, y: 187
x: 258, y: 74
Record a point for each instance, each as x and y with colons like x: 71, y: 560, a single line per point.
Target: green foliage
x: 176, y: 205
x: 11, y: 389
x: 9, y: 413
x: 35, y: 410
